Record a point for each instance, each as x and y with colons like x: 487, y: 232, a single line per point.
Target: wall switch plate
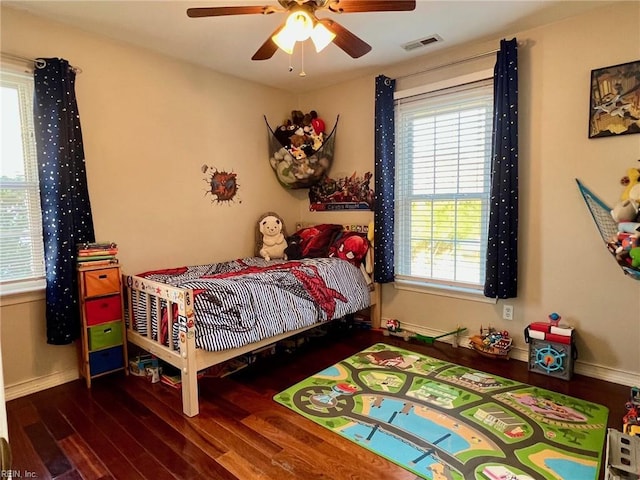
x: 507, y: 312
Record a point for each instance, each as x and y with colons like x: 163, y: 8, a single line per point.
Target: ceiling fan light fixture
x: 285, y: 40
x: 297, y: 28
x: 300, y: 24
x: 321, y: 36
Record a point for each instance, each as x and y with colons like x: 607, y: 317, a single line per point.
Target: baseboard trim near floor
x: 600, y: 372
x: 28, y: 387
x: 592, y: 370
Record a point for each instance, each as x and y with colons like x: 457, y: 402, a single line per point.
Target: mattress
x: 247, y: 300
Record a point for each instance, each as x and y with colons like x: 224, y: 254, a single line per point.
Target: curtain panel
x: 501, y: 280
x: 385, y: 159
x: 64, y: 195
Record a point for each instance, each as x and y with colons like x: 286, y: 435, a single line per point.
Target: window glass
x: 21, y: 245
x: 443, y: 158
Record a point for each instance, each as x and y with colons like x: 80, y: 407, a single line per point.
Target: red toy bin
x: 105, y: 309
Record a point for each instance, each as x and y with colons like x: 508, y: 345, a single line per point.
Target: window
x: 21, y: 245
x: 443, y: 159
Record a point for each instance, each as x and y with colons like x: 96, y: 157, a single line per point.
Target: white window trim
x: 448, y: 83
x: 430, y: 287
x: 443, y: 290
x: 21, y: 291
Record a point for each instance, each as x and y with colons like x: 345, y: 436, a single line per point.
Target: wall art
x: 345, y: 193
x: 615, y: 100
x: 222, y: 186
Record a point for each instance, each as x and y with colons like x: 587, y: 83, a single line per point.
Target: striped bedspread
x: 250, y: 299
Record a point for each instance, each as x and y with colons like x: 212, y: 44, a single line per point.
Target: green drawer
x: 105, y: 335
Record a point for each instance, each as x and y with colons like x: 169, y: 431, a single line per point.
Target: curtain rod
x: 37, y: 62
x: 455, y: 62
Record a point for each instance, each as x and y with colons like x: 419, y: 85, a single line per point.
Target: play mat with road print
x: 444, y: 421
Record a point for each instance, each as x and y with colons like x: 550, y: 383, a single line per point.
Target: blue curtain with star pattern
x: 501, y: 280
x: 385, y: 160
x: 64, y: 195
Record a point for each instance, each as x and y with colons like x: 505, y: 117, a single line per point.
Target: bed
x: 199, y: 316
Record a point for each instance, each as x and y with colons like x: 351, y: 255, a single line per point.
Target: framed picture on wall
x: 615, y: 100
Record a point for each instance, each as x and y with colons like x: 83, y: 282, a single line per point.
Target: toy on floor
x: 631, y: 421
x: 393, y: 329
x: 431, y: 340
x: 491, y: 343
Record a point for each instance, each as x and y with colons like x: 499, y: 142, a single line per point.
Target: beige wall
x: 563, y: 265
x: 150, y: 123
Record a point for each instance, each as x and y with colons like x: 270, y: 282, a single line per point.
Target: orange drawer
x: 101, y: 282
x: 103, y: 309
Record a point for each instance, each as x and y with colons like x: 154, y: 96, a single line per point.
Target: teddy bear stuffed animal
x: 272, y: 243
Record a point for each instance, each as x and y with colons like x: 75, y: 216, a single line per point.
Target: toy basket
x: 607, y: 226
x: 304, y: 169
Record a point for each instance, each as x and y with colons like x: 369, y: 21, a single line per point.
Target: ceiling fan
x: 302, y: 23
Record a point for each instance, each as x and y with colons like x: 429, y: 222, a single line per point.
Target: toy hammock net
x: 297, y: 164
x: 607, y: 226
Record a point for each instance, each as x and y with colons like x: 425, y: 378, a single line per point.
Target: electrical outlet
x: 507, y: 312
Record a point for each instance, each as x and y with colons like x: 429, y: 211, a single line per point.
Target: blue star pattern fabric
x: 385, y: 160
x: 501, y: 280
x: 64, y: 195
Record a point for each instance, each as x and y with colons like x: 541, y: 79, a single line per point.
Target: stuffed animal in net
x: 271, y: 236
x: 629, y: 181
x: 634, y: 255
x: 625, y: 211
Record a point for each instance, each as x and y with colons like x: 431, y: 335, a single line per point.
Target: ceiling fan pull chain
x: 302, y: 72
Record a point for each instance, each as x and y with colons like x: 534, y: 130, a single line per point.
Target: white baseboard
x: 600, y: 372
x: 28, y: 387
x: 592, y: 370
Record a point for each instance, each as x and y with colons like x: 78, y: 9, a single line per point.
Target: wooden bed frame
x: 189, y: 359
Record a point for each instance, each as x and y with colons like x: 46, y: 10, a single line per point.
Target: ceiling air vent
x: 422, y: 42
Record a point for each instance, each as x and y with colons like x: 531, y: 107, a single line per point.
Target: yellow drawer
x: 101, y: 282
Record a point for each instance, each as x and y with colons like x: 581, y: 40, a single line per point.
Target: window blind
x: 443, y: 150
x: 21, y: 244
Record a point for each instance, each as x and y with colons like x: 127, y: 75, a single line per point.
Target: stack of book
x: 551, y: 333
x: 95, y: 254
x: 172, y: 377
x: 173, y: 381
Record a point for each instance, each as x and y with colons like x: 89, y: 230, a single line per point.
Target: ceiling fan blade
x: 359, y: 6
x: 268, y: 48
x: 347, y: 41
x: 221, y: 11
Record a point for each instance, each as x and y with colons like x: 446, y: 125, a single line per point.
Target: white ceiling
x: 226, y: 44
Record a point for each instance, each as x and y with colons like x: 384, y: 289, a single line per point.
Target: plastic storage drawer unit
x: 105, y: 335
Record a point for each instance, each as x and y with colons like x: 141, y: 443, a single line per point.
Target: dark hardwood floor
x: 127, y: 428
